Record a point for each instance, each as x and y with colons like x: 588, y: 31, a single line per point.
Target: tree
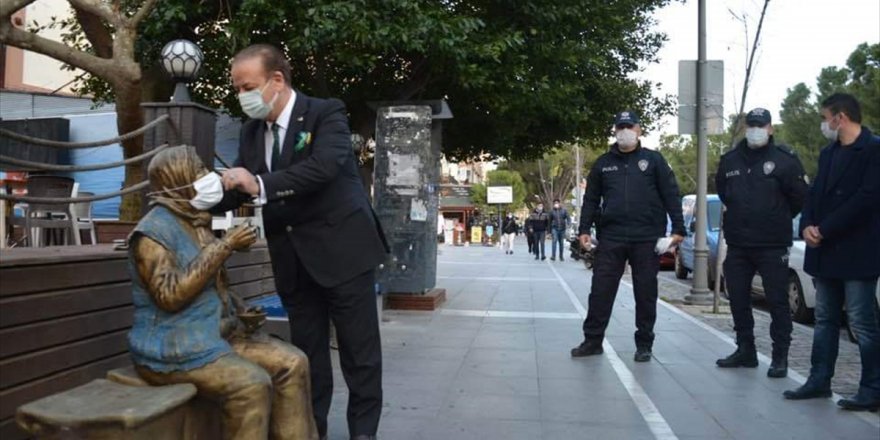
x: 800, y: 127
x: 111, y: 30
x: 519, y: 76
x: 681, y: 154
x: 499, y: 178
x: 800, y: 108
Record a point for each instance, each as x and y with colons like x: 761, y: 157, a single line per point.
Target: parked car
x: 684, y: 256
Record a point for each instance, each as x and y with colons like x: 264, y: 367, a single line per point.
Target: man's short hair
x: 844, y: 103
x: 555, y: 200
x: 272, y: 57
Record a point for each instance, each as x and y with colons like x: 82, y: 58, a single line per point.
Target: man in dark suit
x: 841, y: 226
x: 296, y: 160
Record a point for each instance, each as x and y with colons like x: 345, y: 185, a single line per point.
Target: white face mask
x: 209, y: 192
x: 626, y: 137
x: 756, y: 137
x: 829, y: 134
x: 253, y: 105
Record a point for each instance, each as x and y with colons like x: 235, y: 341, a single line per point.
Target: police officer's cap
x: 758, y: 117
x: 627, y: 117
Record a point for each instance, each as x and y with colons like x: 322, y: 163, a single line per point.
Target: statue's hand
x: 241, y: 237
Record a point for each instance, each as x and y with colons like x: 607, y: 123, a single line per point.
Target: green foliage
x: 800, y: 109
x: 519, y: 76
x: 500, y: 178
x: 681, y: 154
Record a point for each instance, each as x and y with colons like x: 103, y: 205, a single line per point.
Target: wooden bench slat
x: 244, y: 274
x: 19, y: 369
x: 22, y: 339
x: 257, y: 255
x: 14, y: 397
x: 26, y: 309
x: 9, y: 430
x: 31, y: 279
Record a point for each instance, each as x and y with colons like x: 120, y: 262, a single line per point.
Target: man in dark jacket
x: 841, y: 225
x: 295, y: 159
x: 508, y: 232
x: 634, y: 189
x: 558, y: 225
x: 538, y: 223
x: 762, y: 187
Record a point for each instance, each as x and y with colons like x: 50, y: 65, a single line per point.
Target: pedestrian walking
x: 634, y: 189
x: 841, y: 226
x: 508, y: 231
x: 539, y: 221
x: 762, y: 186
x: 559, y: 222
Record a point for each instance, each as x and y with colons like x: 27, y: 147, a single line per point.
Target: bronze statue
x: 189, y: 328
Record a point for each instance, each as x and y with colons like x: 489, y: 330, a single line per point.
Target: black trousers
x: 740, y: 267
x: 610, y: 261
x: 352, y: 308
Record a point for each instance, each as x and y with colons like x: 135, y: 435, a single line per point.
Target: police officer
x: 762, y: 187
x: 634, y: 189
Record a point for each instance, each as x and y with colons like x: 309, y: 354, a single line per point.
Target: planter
x: 109, y: 230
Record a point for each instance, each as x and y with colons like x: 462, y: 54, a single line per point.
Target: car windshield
x: 714, y: 215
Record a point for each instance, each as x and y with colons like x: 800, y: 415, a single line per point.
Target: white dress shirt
x: 282, y: 121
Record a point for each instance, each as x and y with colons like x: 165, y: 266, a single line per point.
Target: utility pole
x: 578, y: 197
x: 700, y: 291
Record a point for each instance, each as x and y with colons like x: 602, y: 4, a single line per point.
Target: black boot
x: 587, y: 348
x: 809, y: 390
x: 779, y: 365
x: 744, y: 356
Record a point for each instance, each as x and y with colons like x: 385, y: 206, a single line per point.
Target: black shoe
x: 561, y: 259
x: 808, y: 391
x: 779, y: 365
x: 543, y: 258
x: 364, y: 437
x: 859, y: 403
x: 536, y: 257
x: 587, y: 349
x: 552, y: 258
x: 744, y: 356
x: 642, y: 354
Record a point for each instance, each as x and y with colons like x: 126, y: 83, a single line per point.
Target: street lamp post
x: 182, y: 59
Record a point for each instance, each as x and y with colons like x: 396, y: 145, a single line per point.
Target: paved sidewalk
x: 493, y: 363
x: 847, y: 370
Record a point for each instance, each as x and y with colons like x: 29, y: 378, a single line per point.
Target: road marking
x: 506, y: 314
x: 494, y: 278
x: 793, y: 375
x: 475, y: 263
x: 571, y: 296
x: 655, y: 421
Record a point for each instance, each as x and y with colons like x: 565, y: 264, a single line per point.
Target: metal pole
x: 577, y: 185
x: 700, y: 291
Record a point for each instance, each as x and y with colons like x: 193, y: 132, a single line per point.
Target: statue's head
x: 180, y: 180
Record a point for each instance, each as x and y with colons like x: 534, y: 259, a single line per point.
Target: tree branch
x: 97, y: 8
x: 142, y: 13
x: 97, y: 34
x: 13, y: 36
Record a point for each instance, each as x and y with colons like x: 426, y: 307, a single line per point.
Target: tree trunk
x: 130, y: 117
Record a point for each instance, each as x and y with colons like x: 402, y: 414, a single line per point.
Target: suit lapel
x: 260, y: 148
x: 294, y: 128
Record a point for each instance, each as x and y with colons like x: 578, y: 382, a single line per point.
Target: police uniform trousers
x: 610, y: 261
x: 740, y: 267
x: 352, y: 308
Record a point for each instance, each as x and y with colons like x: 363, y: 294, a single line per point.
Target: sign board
x: 497, y: 195
x: 476, y: 234
x: 687, y: 97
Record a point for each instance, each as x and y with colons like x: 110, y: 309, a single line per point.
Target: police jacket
x: 629, y: 196
x: 762, y: 190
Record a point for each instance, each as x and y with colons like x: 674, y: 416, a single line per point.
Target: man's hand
x: 812, y: 236
x: 676, y: 240
x: 585, y: 240
x: 242, y: 180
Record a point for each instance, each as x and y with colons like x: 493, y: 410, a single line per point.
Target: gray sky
x: 799, y: 38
